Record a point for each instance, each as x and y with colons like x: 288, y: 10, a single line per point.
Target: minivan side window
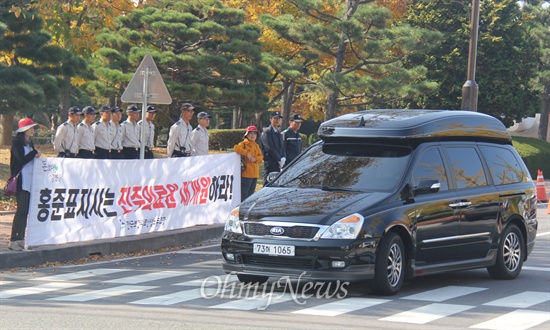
x: 430, y: 167
x: 467, y: 167
x: 503, y: 165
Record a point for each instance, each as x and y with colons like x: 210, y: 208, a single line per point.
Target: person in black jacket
x: 292, y: 138
x: 272, y: 145
x: 23, y: 154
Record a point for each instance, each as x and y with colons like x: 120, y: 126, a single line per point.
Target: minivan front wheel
x: 389, y: 266
x: 511, y: 253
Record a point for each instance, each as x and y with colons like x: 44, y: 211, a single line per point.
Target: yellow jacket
x: 251, y: 170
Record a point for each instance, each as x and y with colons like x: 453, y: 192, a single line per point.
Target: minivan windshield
x: 347, y: 167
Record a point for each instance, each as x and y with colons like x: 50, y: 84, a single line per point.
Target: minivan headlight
x: 233, y: 224
x: 346, y: 228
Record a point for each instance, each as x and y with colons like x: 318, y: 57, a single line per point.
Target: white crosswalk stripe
x: 517, y: 320
x: 177, y: 297
x: 521, y: 300
x: 105, y: 293
x: 425, y: 314
x: 43, y: 288
x: 445, y: 293
x: 519, y: 310
x: 148, y: 277
x: 259, y: 302
x: 78, y: 275
x: 341, y: 306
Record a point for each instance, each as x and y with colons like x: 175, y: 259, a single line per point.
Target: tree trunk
x: 258, y: 123
x: 545, y: 111
x: 7, y: 124
x: 287, y: 100
x: 65, y: 102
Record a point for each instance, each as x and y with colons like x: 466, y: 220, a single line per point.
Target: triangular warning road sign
x: 156, y: 91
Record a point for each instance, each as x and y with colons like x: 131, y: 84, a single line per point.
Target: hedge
x: 535, y: 154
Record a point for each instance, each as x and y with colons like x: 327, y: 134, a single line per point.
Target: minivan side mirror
x: 426, y: 187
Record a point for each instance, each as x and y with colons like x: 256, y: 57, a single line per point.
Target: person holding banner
x: 130, y: 133
x: 179, y: 137
x: 66, y: 137
x: 85, y: 133
x: 103, y: 132
x: 149, y: 133
x: 116, y: 142
x: 253, y: 156
x: 23, y: 154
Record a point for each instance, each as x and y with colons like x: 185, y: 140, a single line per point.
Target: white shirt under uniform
x: 103, y: 134
x: 130, y: 135
x: 66, y: 138
x: 149, y: 133
x: 199, y: 141
x: 179, y: 136
x: 85, y: 135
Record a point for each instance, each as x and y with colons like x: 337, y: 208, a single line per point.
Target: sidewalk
x: 74, y: 251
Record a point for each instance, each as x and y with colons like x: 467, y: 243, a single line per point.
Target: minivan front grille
x: 260, y: 229
x: 279, y: 261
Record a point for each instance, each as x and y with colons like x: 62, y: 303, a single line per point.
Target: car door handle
x: 457, y: 204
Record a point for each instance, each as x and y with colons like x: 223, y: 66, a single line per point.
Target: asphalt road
x: 187, y: 289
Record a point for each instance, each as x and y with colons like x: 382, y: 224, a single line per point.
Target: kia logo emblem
x: 277, y: 230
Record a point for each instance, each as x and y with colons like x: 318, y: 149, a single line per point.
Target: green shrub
x: 223, y: 139
x: 535, y: 154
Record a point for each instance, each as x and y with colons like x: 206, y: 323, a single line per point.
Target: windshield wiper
x: 329, y: 188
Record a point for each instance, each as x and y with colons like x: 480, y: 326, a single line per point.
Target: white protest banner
x: 74, y: 200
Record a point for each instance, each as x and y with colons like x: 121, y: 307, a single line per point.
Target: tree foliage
x: 206, y: 52
x: 506, y: 59
x: 356, y: 53
x: 30, y: 66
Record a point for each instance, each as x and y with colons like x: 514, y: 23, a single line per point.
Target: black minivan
x: 388, y: 195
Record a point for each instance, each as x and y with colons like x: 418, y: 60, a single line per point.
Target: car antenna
x: 362, y: 122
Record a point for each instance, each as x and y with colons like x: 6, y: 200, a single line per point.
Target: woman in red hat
x: 253, y: 156
x: 23, y: 154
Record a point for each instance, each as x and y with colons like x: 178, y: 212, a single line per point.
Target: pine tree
x: 29, y: 65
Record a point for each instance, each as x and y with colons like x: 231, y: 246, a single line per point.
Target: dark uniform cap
x: 296, y: 118
x: 132, y: 108
x: 275, y: 114
x: 75, y: 110
x: 202, y: 115
x: 115, y: 109
x: 89, y: 110
x: 187, y: 106
x: 151, y: 109
x: 105, y: 108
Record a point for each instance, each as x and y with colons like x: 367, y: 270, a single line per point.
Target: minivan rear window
x: 347, y: 167
x: 504, y: 166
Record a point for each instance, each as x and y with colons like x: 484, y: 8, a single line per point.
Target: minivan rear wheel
x: 389, y: 266
x: 252, y: 279
x: 511, y: 253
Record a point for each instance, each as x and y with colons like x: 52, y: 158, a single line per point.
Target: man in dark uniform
x: 272, y: 145
x: 292, y: 138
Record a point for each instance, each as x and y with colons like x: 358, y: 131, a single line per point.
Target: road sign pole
x: 144, y: 111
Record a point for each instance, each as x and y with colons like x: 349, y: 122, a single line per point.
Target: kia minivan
x: 388, y: 195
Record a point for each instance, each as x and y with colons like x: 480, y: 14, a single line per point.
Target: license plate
x: 274, y: 249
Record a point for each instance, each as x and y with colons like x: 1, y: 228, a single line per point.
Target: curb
x: 131, y: 244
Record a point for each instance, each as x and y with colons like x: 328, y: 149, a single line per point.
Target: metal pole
x: 470, y: 87
x: 144, y: 111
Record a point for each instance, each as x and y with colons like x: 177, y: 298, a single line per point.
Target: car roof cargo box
x: 416, y: 124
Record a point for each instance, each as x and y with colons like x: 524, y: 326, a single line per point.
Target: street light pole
x: 470, y: 87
